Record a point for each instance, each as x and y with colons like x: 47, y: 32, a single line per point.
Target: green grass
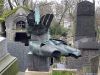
x: 13, y: 70
x: 63, y: 73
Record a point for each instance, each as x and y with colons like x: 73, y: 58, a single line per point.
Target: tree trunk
x: 10, y: 4
x: 1, y: 6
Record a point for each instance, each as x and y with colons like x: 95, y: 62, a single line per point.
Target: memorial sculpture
x: 41, y: 45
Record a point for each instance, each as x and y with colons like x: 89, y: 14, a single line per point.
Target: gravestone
x: 3, y: 47
x: 8, y: 63
x: 85, y: 33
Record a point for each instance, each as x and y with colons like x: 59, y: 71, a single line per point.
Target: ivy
x: 57, y: 29
x: 7, y: 13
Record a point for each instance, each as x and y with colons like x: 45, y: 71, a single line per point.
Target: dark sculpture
x: 42, y: 27
x: 40, y: 43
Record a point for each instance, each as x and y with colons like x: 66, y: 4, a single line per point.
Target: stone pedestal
x: 87, y: 43
x: 8, y: 63
x: 38, y: 63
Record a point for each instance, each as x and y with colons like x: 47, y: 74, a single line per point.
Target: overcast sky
x: 97, y: 2
x: 59, y: 1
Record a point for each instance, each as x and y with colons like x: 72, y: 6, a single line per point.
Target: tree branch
x: 10, y: 4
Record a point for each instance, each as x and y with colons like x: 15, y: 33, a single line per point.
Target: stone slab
x: 6, y: 63
x: 19, y: 50
x: 3, y: 47
x: 87, y: 43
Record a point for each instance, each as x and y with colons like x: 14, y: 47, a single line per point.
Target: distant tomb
x: 16, y: 25
x: 85, y: 33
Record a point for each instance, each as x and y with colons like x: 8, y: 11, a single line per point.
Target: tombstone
x: 8, y: 63
x: 85, y: 33
x: 3, y: 47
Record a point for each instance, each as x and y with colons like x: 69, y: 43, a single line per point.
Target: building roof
x: 7, y: 13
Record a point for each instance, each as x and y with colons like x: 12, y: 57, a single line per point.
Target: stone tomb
x: 8, y: 63
x: 85, y: 33
x: 16, y: 26
x: 3, y: 47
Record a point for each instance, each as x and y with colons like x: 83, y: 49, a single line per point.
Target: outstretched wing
x: 46, y: 20
x: 31, y: 18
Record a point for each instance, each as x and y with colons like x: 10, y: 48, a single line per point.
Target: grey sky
x: 97, y: 3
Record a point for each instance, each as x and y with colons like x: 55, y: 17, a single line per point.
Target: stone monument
x: 85, y: 32
x: 8, y: 63
x: 41, y: 47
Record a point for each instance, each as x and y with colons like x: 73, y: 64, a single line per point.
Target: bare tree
x: 1, y: 6
x: 16, y: 2
x: 10, y: 4
x: 70, y: 9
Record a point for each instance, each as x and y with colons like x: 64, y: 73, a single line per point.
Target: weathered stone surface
x: 8, y: 65
x: 25, y: 61
x: 85, y: 33
x: 3, y: 47
x: 85, y: 8
x: 87, y: 43
x: 85, y: 60
x: 20, y: 51
x: 85, y: 26
x: 38, y: 63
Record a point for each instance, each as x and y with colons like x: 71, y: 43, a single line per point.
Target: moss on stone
x: 7, y: 13
x: 13, y: 70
